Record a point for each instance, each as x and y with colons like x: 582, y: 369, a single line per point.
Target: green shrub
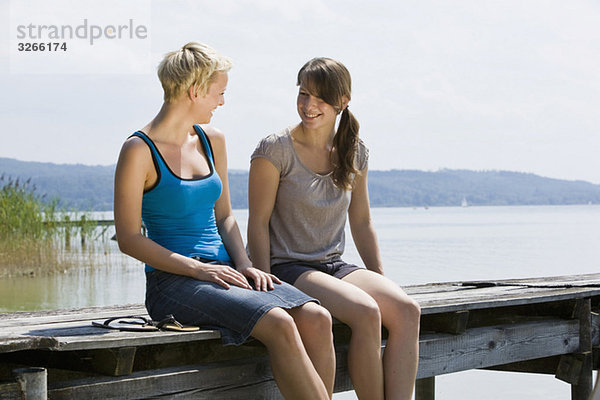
x: 35, y: 237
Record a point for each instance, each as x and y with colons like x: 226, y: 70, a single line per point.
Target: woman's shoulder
x: 362, y: 147
x: 278, y: 141
x: 280, y: 138
x: 216, y: 142
x: 135, y: 152
x: 136, y: 144
x: 213, y: 133
x: 362, y: 155
x: 275, y: 148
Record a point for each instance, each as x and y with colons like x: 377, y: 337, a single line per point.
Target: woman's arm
x: 228, y: 227
x: 133, y: 171
x: 226, y: 223
x: 262, y: 191
x: 361, y: 226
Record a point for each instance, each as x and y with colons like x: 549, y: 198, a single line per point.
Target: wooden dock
x: 545, y: 325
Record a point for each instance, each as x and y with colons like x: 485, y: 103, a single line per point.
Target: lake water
x: 418, y: 246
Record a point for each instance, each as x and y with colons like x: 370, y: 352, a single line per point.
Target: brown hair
x: 330, y: 80
x: 195, y: 64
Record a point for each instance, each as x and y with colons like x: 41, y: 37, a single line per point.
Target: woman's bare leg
x: 360, y: 312
x: 401, y: 316
x: 314, y: 325
x: 293, y: 370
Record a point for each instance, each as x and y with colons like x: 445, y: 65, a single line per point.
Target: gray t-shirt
x: 310, y: 211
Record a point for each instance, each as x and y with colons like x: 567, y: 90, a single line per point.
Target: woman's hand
x: 222, y: 275
x: 262, y: 281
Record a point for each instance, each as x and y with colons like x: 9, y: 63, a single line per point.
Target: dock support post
x: 425, y: 389
x: 583, y: 388
x: 33, y: 383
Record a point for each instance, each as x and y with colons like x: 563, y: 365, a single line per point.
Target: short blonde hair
x: 195, y: 64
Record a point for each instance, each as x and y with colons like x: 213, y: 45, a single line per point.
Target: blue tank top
x: 179, y: 213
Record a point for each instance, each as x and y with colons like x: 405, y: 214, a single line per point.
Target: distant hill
x: 82, y: 187
x: 77, y: 186
x: 479, y: 188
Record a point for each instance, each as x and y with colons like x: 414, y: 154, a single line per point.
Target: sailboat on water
x: 464, y: 202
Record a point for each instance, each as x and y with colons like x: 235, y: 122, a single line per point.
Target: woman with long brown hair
x: 305, y: 182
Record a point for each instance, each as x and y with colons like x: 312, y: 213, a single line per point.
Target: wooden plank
x: 575, y: 280
x: 10, y: 343
x: 489, y: 294
x: 240, y: 379
x: 499, y: 298
x: 18, y: 319
x: 81, y: 336
x: 432, y: 288
x: 496, y: 345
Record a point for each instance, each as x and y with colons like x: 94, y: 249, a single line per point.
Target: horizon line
x: 236, y: 170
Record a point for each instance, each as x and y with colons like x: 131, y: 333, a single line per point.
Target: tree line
x: 90, y: 188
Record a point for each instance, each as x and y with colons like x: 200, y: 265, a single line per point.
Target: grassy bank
x: 38, y: 238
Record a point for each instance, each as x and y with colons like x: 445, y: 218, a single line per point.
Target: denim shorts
x: 234, y: 311
x: 289, y: 271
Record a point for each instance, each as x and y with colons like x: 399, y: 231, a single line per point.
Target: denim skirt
x: 234, y: 311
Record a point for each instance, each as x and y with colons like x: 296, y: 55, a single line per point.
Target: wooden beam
x: 33, y: 383
x: 496, y: 345
x: 114, y: 362
x: 425, y: 389
x: 342, y: 376
x: 454, y: 322
x: 546, y: 365
x: 246, y: 378
x: 520, y: 313
x: 583, y: 388
x: 110, y: 362
x: 569, y: 368
x: 190, y: 353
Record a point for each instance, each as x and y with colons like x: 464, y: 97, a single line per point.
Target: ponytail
x: 345, y: 142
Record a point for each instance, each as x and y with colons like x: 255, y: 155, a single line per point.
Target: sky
x: 480, y: 85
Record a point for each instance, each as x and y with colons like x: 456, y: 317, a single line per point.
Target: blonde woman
x: 172, y: 175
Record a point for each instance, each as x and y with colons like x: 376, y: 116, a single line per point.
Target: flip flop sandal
x: 130, y: 323
x: 171, y: 324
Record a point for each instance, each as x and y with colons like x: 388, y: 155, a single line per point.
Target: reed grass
x: 38, y: 238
